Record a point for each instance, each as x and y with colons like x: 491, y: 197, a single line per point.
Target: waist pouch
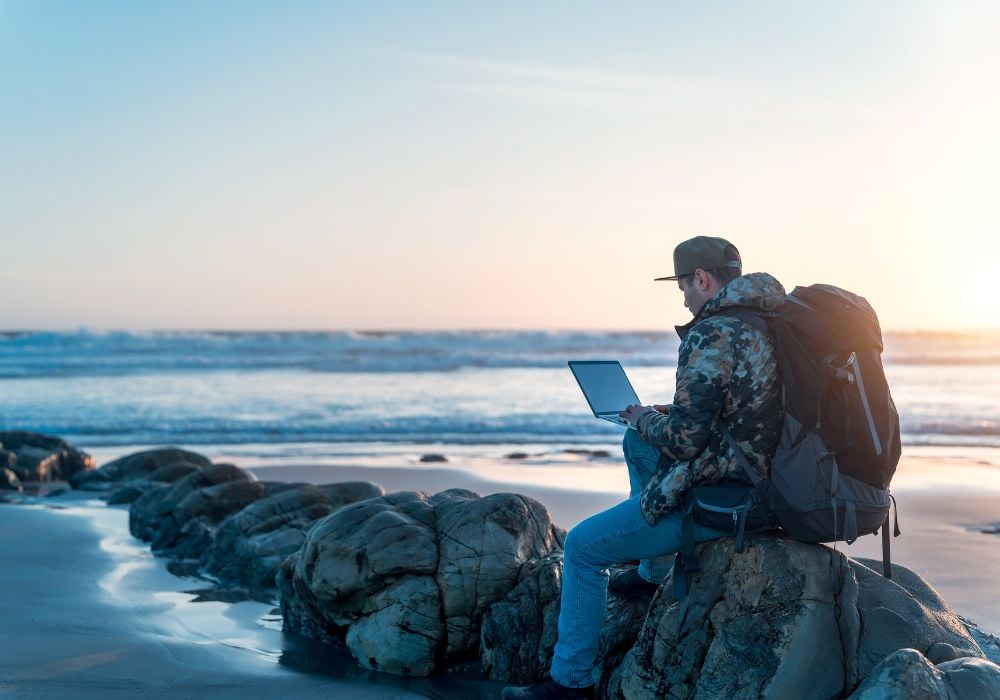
x: 730, y: 507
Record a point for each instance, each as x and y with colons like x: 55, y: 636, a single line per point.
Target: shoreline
x: 110, y: 620
x: 106, y: 619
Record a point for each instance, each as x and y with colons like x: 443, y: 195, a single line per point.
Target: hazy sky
x: 517, y: 165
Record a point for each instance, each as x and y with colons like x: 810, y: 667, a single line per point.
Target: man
x: 726, y: 375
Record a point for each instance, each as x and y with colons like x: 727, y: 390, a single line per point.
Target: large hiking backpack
x: 839, y: 443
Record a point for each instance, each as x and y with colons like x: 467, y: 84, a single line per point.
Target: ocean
x: 319, y: 394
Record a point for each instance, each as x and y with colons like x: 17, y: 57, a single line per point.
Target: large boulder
x: 907, y: 674
x: 209, y: 505
x: 145, y: 465
x: 9, y: 481
x: 782, y: 619
x: 153, y: 512
x: 519, y: 632
x: 38, y: 457
x: 405, y: 578
x: 250, y: 545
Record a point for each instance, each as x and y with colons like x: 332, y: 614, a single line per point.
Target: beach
x: 98, y: 614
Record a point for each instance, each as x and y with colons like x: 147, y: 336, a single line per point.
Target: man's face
x: 693, y: 298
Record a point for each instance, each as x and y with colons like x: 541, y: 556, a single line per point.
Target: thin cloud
x: 618, y: 91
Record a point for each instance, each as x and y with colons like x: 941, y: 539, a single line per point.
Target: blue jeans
x: 618, y: 534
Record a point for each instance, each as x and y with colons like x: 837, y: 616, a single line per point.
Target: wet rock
x: 516, y: 455
x: 406, y: 578
x: 906, y: 674
x: 39, y: 457
x: 153, y: 511
x: 250, y: 545
x: 532, y: 609
x: 9, y: 481
x: 784, y: 619
x: 129, y: 493
x: 433, y: 458
x: 902, y: 612
x: 210, y: 504
x: 138, y: 465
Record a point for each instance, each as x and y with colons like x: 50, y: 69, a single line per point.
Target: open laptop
x: 607, y: 389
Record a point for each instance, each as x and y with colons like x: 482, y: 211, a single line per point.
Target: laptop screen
x: 604, y: 384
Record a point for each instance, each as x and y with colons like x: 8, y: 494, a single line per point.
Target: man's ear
x: 701, y: 277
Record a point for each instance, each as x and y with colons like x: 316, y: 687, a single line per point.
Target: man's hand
x: 633, y: 412
x: 661, y: 407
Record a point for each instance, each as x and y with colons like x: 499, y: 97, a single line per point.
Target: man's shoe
x: 627, y: 583
x: 547, y: 689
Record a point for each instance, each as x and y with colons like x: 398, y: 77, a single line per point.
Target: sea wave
x: 116, y: 353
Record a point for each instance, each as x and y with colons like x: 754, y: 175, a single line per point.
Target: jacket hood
x: 757, y: 290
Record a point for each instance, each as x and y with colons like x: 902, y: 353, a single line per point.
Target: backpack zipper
x: 856, y: 366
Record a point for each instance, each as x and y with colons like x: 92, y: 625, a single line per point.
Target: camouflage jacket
x: 726, y: 373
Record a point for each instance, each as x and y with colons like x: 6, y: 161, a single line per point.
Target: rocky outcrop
x: 9, y: 481
x: 250, y: 545
x: 148, y: 465
x: 405, y: 579
x: 908, y: 674
x: 38, y: 457
x: 519, y: 632
x: 780, y: 619
x: 158, y: 515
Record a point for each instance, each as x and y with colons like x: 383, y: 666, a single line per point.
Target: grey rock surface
x: 209, y: 504
x: 250, y: 544
x: 39, y: 457
x: 9, y: 480
x: 405, y: 578
x: 888, y: 609
x: 519, y: 632
x: 907, y: 675
x: 138, y: 465
x: 781, y: 619
x: 153, y: 511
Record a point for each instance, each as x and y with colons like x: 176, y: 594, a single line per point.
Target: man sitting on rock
x: 726, y: 375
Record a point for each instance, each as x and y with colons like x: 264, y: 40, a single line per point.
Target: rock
x: 41, y: 457
x: 250, y: 545
x: 138, y: 465
x: 970, y: 677
x: 9, y: 481
x: 907, y: 675
x: 516, y: 455
x: 209, y: 505
x: 406, y: 578
x: 889, y: 609
x: 532, y: 609
x: 129, y: 492
x: 433, y: 458
x: 784, y: 619
x: 170, y: 473
x: 152, y: 511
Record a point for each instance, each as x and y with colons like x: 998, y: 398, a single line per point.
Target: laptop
x: 606, y: 388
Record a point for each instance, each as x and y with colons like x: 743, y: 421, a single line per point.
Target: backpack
x: 839, y: 443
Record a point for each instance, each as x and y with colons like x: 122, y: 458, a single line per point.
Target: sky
x: 381, y: 165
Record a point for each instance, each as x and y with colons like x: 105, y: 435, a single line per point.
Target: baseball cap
x: 701, y: 252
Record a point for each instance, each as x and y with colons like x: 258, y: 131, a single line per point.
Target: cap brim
x: 671, y: 279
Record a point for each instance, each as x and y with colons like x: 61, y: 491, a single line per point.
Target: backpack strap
x: 740, y: 457
x: 685, y: 561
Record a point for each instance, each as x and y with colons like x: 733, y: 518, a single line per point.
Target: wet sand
x: 87, y: 612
